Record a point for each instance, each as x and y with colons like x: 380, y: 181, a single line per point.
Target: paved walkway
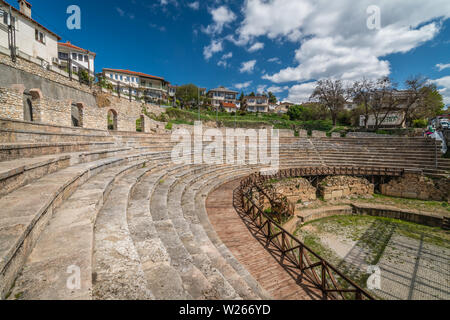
x: 263, y: 263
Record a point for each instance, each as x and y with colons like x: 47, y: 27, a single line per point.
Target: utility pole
x: 12, y: 36
x: 198, y: 102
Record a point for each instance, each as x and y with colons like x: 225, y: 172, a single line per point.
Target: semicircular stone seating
x: 89, y: 214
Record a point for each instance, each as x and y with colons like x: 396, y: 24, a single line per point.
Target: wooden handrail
x: 327, y: 269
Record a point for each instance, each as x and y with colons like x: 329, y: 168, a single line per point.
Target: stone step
x: 163, y: 279
x: 67, y: 242
x: 200, y: 285
x: 17, y: 173
x: 26, y: 211
x: 117, y: 270
x: 199, y: 251
x: 192, y: 202
x: 12, y: 151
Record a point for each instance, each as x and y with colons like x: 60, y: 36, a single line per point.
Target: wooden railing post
x: 324, y: 279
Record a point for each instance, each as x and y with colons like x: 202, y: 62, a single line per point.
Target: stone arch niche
x: 112, y: 120
x: 27, y: 106
x: 77, y: 114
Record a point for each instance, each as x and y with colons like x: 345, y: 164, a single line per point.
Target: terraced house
x: 27, y: 37
x: 257, y: 104
x: 138, y: 84
x: 77, y: 57
x: 222, y: 95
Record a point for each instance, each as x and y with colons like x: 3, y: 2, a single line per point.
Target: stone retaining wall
x: 416, y: 186
x: 339, y: 187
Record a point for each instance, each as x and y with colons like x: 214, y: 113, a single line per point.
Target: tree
x: 422, y: 99
x: 252, y: 94
x: 272, y: 98
x: 188, y: 95
x: 361, y: 92
x: 330, y: 93
x: 383, y: 100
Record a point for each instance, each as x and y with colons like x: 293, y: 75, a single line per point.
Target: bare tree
x: 330, y: 93
x: 419, y: 97
x: 361, y: 93
x: 383, y: 101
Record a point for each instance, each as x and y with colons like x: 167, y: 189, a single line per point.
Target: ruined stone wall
x: 340, y: 187
x: 416, y: 186
x: 296, y: 190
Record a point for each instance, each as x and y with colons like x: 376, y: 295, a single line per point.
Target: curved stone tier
x: 113, y: 208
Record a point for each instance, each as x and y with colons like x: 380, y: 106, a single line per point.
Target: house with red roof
x: 33, y: 41
x: 77, y: 57
x: 228, y: 106
x: 141, y: 85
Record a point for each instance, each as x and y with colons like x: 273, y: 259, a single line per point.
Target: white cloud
x: 441, y: 66
x: 222, y: 16
x: 214, y: 47
x: 261, y: 89
x: 301, y: 92
x: 443, y: 85
x: 194, y: 5
x: 274, y: 60
x: 223, y: 61
x: 248, y: 66
x: 227, y: 56
x: 333, y: 37
x: 243, y: 85
x: 277, y: 89
x: 256, y: 46
x: 120, y: 11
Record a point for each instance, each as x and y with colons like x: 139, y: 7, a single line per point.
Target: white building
x: 257, y: 104
x: 33, y: 41
x: 81, y: 58
x: 220, y: 95
x: 149, y: 87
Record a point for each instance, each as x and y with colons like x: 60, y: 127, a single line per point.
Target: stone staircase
x: 113, y: 206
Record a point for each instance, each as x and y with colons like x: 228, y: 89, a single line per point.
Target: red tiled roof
x: 30, y: 19
x: 228, y: 105
x: 69, y: 45
x: 135, y: 73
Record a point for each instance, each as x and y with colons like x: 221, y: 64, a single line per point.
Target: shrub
x: 420, y: 123
x: 169, y: 126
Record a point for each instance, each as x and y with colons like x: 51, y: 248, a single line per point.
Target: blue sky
x: 283, y: 45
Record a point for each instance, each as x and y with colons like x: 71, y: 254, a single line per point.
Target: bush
x: 420, y: 123
x: 169, y: 126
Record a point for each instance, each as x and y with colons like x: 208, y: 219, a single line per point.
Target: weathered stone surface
x: 338, y: 187
x: 416, y: 186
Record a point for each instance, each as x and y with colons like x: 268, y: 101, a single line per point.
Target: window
x: 86, y: 59
x: 121, y: 78
x: 63, y: 55
x: 74, y: 56
x: 3, y: 16
x: 39, y: 36
x: 80, y: 57
x: 117, y: 77
x: 128, y: 79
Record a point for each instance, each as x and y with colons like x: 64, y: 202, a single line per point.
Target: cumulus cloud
x: 214, y: 47
x: 256, y: 46
x: 224, y: 60
x: 243, y: 85
x: 274, y: 60
x: 194, y: 5
x: 301, y: 92
x: 333, y: 37
x: 222, y: 16
x: 443, y: 85
x: 248, y: 66
x: 441, y: 66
